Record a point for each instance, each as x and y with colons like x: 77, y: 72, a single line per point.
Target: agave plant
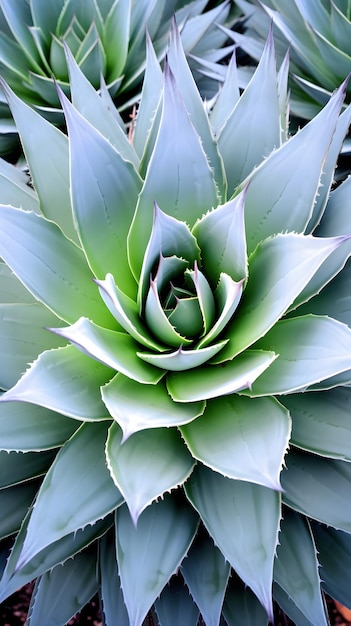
x: 107, y: 39
x: 180, y: 442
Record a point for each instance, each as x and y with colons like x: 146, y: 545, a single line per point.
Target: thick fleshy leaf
x: 15, y: 188
x: 321, y: 422
x: 15, y: 502
x: 241, y: 605
x: 310, y: 349
x: 318, y: 488
x: 279, y: 269
x: 227, y: 298
x: 66, y: 381
x: 249, y: 512
x: 178, y: 178
x: 105, y: 190
x: 77, y: 491
x: 138, y: 407
x: 182, y: 360
x: 147, y: 465
x: 213, y: 381
x: 175, y: 607
x: 206, y: 573
x: 334, y: 555
x: 205, y: 298
x: 221, y: 237
x: 241, y: 438
x: 16, y: 467
x: 227, y: 97
x: 160, y: 325
x: 114, y: 349
x: 29, y: 428
x: 117, y: 29
x: 51, y: 266
x: 11, y: 289
x: 152, y: 552
x: 296, y: 568
x: 112, y: 603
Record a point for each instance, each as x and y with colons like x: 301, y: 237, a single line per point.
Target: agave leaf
x: 59, y: 594
x: 175, y: 607
x: 289, y: 607
x: 138, y: 407
x: 105, y: 189
x: 182, y: 360
x: 249, y: 512
x: 310, y: 349
x: 15, y: 188
x: 16, y: 467
x: 206, y: 574
x: 241, y: 438
x: 18, y: 17
x: 114, y: 349
x: 160, y: 325
x: 178, y: 178
x: 16, y: 502
x: 226, y: 99
x: 318, y: 487
x: 321, y: 422
x: 30, y: 428
x: 117, y: 30
x: 212, y: 381
x: 241, y: 605
x: 296, y: 568
x: 45, y: 14
x: 81, y: 492
x: 64, y: 380
x: 11, y: 289
x: 334, y: 555
x: 147, y: 465
x: 113, y: 607
x: 279, y: 269
x: 336, y: 218
x: 151, y: 552
x: 221, y: 238
x: 51, y: 266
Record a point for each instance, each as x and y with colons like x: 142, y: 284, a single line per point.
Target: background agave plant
x: 107, y: 39
x: 181, y: 438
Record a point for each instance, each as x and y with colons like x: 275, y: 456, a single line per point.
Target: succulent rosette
x: 183, y: 301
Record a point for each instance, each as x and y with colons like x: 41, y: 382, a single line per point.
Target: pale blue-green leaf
x: 283, y: 188
x: 205, y: 298
x: 112, y: 604
x: 51, y: 266
x: 227, y: 98
x: 175, y: 607
x: 91, y: 56
x: 296, y: 568
x: 23, y: 336
x: 125, y: 311
x: 147, y: 465
x: 206, y: 573
x: 29, y: 428
x: 289, y: 607
x: 249, y: 512
x: 310, y: 349
x: 91, y: 106
x: 116, y: 38
x: 334, y: 556
x: 251, y: 132
x: 227, y: 298
x: 321, y: 422
x: 138, y: 407
x: 336, y: 219
x: 77, y: 491
x: 179, y: 177
x: 241, y: 605
x: 11, y: 289
x: 279, y: 269
x: 66, y: 381
x: 242, y: 438
x: 284, y: 95
x: 182, y: 360
x: 159, y: 323
x: 221, y: 237
x: 61, y: 593
x: 15, y: 502
x: 318, y: 488
x: 17, y: 467
x: 15, y: 188
x: 50, y: 175
x: 149, y: 554
x: 187, y: 317
x: 114, y: 349
x: 18, y: 18
x: 105, y: 190
x: 45, y: 14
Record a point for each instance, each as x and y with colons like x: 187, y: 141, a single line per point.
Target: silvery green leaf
x: 241, y: 438
x: 212, y: 381
x: 181, y: 360
x: 45, y: 14
x: 279, y: 269
x: 59, y: 594
x: 81, y: 492
x: 241, y: 606
x: 284, y: 95
x: 160, y: 325
x: 91, y: 56
x: 310, y: 348
x: 227, y: 98
x: 138, y: 407
x: 114, y: 349
x: 29, y: 428
x: 51, y: 266
x: 175, y: 607
x: 147, y: 465
x: 15, y: 188
x: 227, y: 297
x: 16, y: 502
x: 321, y: 422
x: 289, y: 607
x: 116, y: 38
x: 337, y: 215
x: 11, y: 289
x: 255, y: 130
x: 221, y: 237
x: 318, y: 487
x: 151, y: 551
x: 16, y: 467
x: 66, y: 381
x: 334, y: 555
x: 105, y: 189
x: 112, y: 603
x: 206, y: 574
x: 178, y: 178
x: 204, y: 297
x: 296, y: 568
x: 18, y: 17
x: 249, y: 512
